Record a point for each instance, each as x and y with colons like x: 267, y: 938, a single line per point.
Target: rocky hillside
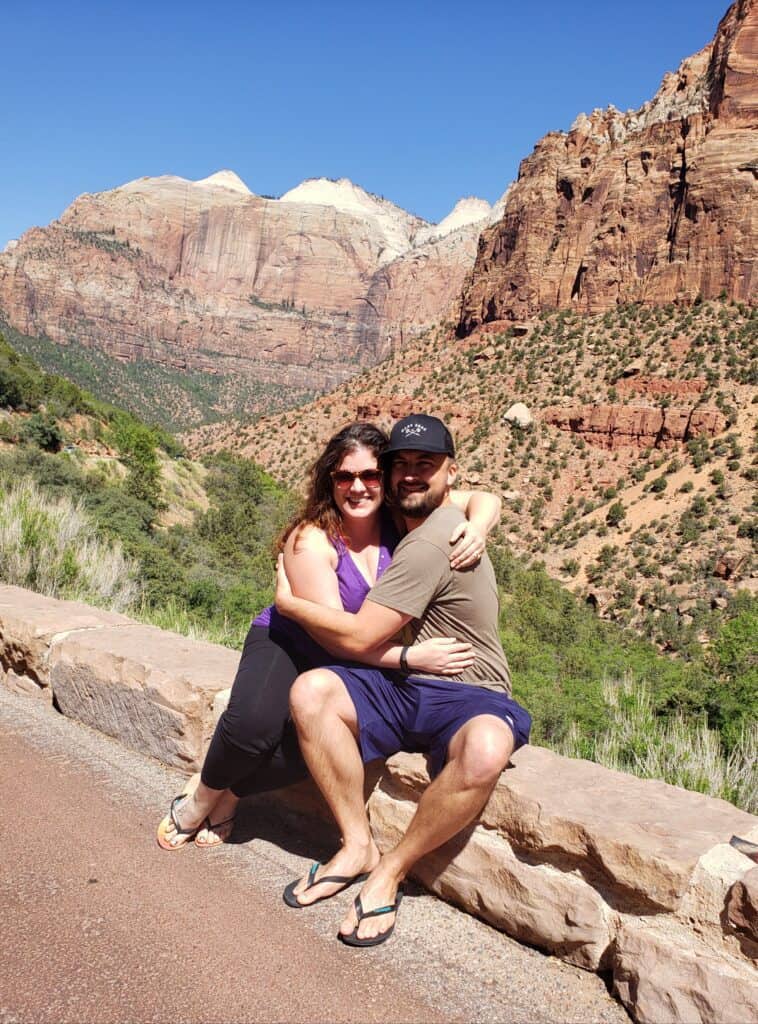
x: 654, y: 205
x: 299, y: 292
x: 623, y: 444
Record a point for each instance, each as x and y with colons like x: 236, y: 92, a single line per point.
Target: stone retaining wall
x: 609, y: 872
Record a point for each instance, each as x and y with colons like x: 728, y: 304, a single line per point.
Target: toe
x: 349, y: 924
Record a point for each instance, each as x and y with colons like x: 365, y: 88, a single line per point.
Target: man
x: 469, y: 731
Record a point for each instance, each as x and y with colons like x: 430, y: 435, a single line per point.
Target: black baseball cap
x: 421, y: 433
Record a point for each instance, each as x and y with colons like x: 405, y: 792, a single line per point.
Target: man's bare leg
x: 327, y: 729
x: 477, y: 754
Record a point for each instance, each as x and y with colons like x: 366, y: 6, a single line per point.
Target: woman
x: 334, y: 552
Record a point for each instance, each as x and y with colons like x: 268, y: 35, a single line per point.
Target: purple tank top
x: 353, y: 589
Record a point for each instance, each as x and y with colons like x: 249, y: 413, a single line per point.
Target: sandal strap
x: 362, y: 914
x: 175, y: 821
x: 336, y: 879
x: 218, y: 824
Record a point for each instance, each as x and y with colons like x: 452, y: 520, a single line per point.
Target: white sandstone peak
x: 498, y: 208
x: 225, y: 179
x: 397, y: 225
x: 465, y: 213
x: 342, y: 194
x: 469, y: 210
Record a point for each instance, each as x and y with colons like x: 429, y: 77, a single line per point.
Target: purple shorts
x: 421, y: 715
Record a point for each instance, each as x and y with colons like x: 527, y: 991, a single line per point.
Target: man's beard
x: 418, y: 504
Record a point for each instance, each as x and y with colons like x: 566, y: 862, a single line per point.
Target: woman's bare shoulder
x: 308, y: 537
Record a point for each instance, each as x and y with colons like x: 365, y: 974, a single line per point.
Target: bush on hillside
x: 42, y: 429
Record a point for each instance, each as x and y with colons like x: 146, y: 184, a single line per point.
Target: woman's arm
x: 311, y: 563
x: 482, y: 510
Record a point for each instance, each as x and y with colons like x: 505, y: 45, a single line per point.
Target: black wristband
x: 404, y: 659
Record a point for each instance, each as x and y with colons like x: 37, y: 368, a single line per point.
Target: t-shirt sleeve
x: 415, y: 575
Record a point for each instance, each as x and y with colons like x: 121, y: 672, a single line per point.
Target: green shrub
x: 615, y: 514
x: 659, y: 485
x: 42, y: 429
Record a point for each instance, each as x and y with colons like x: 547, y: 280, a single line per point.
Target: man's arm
x: 341, y: 632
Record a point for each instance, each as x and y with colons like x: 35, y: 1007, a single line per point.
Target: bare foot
x: 379, y: 890
x: 347, y: 862
x: 220, y: 825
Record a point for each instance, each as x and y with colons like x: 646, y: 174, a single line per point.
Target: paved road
x: 98, y: 924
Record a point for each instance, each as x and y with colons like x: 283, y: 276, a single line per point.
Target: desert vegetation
x: 659, y: 531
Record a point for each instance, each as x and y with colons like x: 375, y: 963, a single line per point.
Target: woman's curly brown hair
x: 319, y: 509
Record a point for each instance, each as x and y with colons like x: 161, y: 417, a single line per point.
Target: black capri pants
x: 254, y: 748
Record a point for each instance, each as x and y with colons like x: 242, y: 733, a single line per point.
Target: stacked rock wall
x: 632, y: 877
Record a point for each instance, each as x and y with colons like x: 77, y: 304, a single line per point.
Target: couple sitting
x: 415, y: 698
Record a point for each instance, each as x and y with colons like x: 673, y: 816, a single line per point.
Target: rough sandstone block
x: 479, y: 871
x: 30, y: 624
x: 637, y: 841
x: 662, y: 973
x: 742, y: 906
x: 716, y: 877
x: 26, y: 686
x: 150, y: 689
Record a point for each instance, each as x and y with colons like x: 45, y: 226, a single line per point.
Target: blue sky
x: 420, y: 102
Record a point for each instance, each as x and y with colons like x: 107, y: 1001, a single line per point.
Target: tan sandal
x: 171, y: 821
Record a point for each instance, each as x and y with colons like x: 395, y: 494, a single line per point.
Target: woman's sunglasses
x: 368, y: 477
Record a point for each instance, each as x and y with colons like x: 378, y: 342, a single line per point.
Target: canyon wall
x: 654, y: 205
x: 302, y: 290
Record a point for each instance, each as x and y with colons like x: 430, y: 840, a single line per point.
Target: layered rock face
x: 653, y: 206
x: 303, y: 290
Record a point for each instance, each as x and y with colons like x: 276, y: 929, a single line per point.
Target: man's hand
x: 283, y: 595
x: 469, y: 546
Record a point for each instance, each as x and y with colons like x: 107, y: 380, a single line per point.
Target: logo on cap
x: 413, y: 430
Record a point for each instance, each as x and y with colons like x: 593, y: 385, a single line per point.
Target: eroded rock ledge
x: 608, y: 872
x: 615, y: 426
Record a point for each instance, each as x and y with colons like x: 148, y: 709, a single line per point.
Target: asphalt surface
x: 97, y: 924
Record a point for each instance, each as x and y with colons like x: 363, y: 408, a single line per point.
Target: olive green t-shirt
x: 445, y: 602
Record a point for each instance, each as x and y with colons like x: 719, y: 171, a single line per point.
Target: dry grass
x: 676, y: 750
x: 49, y: 546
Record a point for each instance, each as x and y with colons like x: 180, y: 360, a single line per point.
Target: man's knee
x: 483, y: 748
x: 311, y: 693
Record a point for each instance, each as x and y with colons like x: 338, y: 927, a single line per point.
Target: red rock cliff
x: 655, y: 205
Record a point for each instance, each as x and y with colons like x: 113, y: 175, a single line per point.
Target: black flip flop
x: 375, y: 940
x: 344, y: 881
